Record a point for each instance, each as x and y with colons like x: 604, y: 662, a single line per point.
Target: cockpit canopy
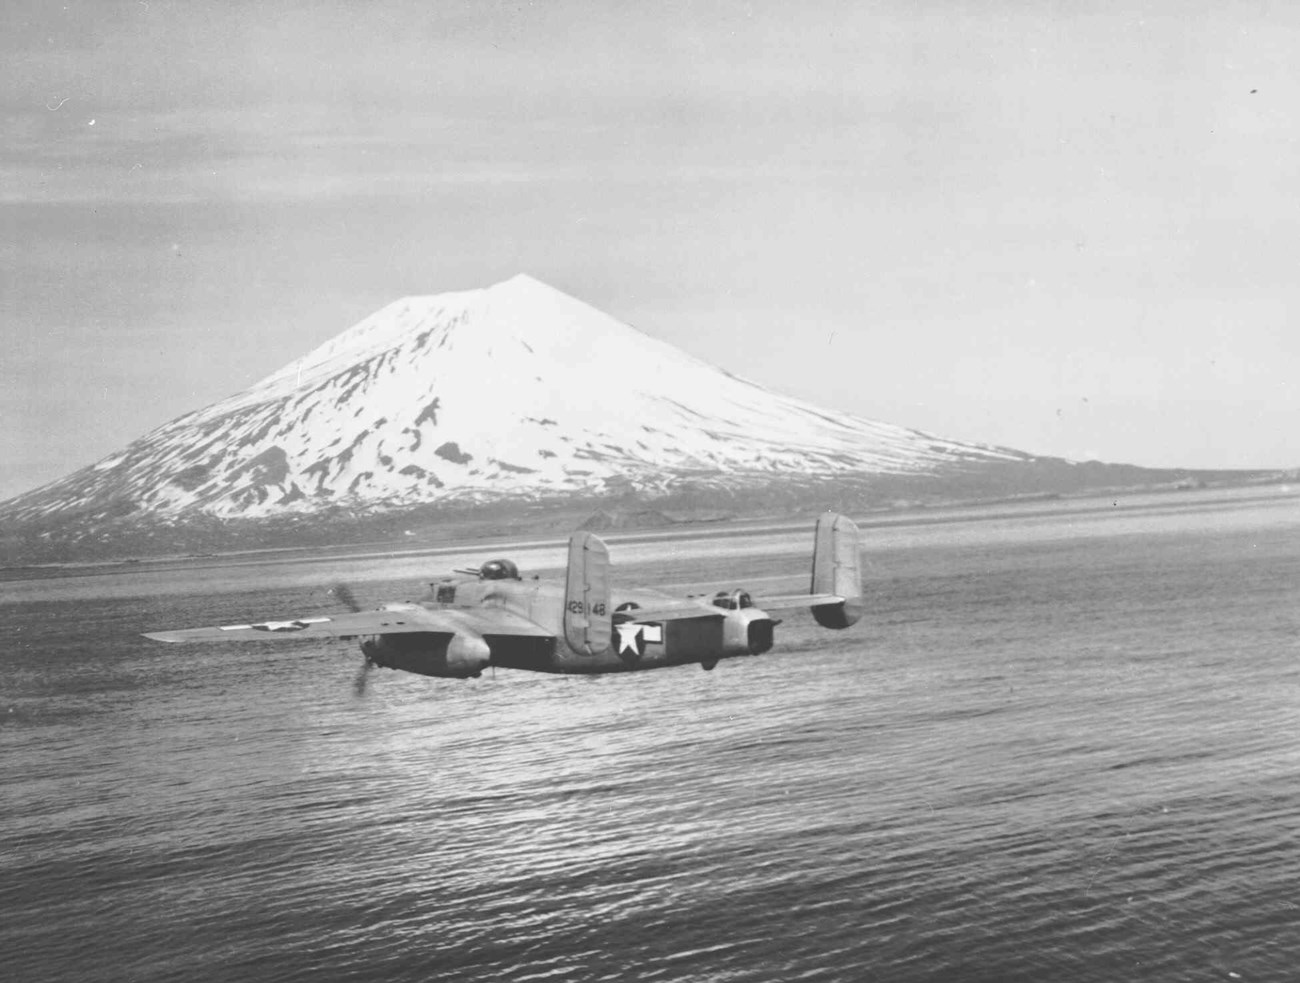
x: 498, y: 570
x: 732, y: 600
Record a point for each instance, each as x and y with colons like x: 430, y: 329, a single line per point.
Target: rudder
x: 588, y: 621
x: 837, y: 569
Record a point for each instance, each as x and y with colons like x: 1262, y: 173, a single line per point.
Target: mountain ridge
x: 513, y: 390
x: 513, y: 406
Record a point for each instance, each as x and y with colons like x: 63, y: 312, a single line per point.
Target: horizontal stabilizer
x: 786, y: 602
x: 682, y: 611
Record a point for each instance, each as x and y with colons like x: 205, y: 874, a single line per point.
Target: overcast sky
x: 1067, y: 228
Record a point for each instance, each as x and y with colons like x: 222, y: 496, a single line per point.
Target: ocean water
x: 1064, y: 744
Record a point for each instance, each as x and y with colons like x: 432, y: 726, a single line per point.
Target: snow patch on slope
x: 512, y: 390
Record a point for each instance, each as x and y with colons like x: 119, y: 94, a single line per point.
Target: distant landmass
x: 508, y: 404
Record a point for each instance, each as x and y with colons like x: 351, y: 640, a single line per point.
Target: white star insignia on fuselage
x: 627, y: 635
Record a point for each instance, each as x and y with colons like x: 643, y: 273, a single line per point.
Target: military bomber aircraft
x: 578, y: 625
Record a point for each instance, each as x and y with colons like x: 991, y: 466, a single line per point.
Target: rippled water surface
x: 1064, y: 745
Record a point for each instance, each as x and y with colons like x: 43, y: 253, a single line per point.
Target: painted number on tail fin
x: 588, y: 624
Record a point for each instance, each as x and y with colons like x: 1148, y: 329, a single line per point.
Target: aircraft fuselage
x: 700, y: 631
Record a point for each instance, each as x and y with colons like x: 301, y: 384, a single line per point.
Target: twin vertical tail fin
x: 836, y: 573
x: 588, y: 620
x: 837, y: 569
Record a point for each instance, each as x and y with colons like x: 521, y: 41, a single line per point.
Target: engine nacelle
x: 747, y: 631
x: 463, y: 655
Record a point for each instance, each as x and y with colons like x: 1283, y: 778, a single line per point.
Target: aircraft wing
x: 412, y: 618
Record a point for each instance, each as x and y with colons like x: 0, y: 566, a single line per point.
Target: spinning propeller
x: 345, y: 597
x: 343, y: 594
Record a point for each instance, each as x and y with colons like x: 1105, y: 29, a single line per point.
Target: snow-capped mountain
x: 515, y: 390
